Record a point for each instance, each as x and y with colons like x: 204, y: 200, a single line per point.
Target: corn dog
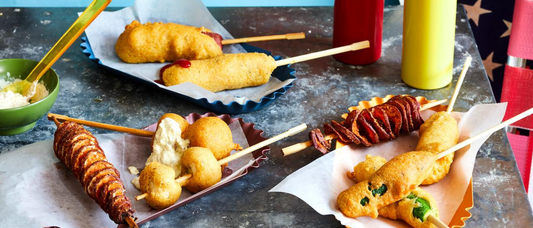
x: 392, y: 182
x: 228, y: 71
x: 159, y: 42
x: 413, y: 209
x: 437, y: 134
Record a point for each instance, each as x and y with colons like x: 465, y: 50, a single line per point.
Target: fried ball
x: 167, y: 142
x: 159, y: 42
x: 437, y: 134
x: 157, y: 180
x: 203, y: 166
x: 211, y: 133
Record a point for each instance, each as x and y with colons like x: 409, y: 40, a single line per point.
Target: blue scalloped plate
x: 282, y: 73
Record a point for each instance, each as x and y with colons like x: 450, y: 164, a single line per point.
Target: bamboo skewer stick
x: 132, y: 131
x: 288, y: 36
x: 437, y: 222
x: 290, y: 132
x: 131, y: 222
x: 333, y: 51
x: 295, y: 130
x: 486, y: 133
x: 303, y: 145
x: 459, y: 84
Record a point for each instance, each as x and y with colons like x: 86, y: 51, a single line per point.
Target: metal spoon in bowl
x: 28, y: 86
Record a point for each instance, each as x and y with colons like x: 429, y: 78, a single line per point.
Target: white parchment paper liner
x: 37, y: 190
x: 106, y: 28
x: 319, y: 183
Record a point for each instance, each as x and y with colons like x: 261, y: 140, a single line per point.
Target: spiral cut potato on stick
x: 413, y: 209
x: 79, y: 150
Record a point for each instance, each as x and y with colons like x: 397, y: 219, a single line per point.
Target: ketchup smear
x: 182, y: 62
x: 217, y: 37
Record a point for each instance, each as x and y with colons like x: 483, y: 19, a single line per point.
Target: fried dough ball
x: 180, y: 120
x: 167, y: 143
x: 211, y: 133
x: 157, y: 180
x: 437, y: 134
x: 159, y: 42
x: 225, y: 72
x: 203, y: 166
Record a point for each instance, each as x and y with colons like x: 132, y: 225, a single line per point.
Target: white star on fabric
x: 473, y: 12
x: 508, y: 32
x: 490, y: 65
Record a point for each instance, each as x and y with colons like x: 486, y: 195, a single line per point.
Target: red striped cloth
x: 522, y: 149
x: 518, y: 92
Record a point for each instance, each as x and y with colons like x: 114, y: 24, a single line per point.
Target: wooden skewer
x: 303, y: 145
x: 459, y: 83
x: 333, y: 51
x: 55, y: 121
x: 295, y: 130
x: 131, y: 222
x: 290, y: 132
x: 486, y: 133
x: 132, y: 131
x: 437, y: 222
x: 288, y: 36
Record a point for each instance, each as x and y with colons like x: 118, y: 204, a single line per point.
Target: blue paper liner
x: 282, y: 73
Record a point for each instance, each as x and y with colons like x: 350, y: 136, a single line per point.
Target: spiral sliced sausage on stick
x: 78, y: 149
x: 369, y: 126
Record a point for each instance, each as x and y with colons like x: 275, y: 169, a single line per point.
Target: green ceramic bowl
x: 17, y: 120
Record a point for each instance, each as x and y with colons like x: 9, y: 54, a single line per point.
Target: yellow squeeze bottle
x: 428, y: 43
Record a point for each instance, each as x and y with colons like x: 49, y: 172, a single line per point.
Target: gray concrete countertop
x: 324, y: 89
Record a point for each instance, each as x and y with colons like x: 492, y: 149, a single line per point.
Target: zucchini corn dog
x: 413, y: 209
x: 160, y: 42
x: 225, y: 72
x: 394, y: 181
x: 437, y: 134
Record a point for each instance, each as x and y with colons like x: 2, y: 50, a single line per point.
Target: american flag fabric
x: 491, y: 23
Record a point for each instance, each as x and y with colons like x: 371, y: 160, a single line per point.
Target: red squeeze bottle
x: 354, y: 21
